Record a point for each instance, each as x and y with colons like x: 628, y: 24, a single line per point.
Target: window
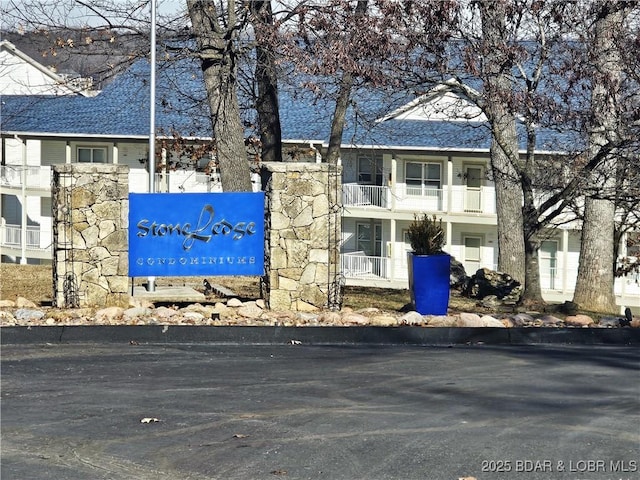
x: 92, y: 155
x: 45, y: 206
x: 422, y: 177
x: 633, y: 244
x: 365, y: 242
x: 370, y: 171
x: 547, y: 258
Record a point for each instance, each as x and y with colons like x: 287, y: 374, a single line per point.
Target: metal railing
x: 359, y: 265
x: 365, y: 195
x: 32, y: 176
x: 11, y: 236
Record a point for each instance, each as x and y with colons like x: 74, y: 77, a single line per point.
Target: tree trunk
x: 339, y: 115
x: 532, y: 294
x: 215, y: 44
x: 266, y: 80
x: 504, y: 143
x: 342, y: 103
x: 594, y: 285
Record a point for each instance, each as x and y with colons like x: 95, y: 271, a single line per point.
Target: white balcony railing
x: 365, y: 195
x: 454, y: 199
x: 11, y: 236
x: 178, y: 181
x: 359, y: 265
x: 32, y: 176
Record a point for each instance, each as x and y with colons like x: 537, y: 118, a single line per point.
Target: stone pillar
x: 302, y: 231
x: 90, y: 204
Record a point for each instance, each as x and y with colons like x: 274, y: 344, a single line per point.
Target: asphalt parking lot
x: 212, y: 411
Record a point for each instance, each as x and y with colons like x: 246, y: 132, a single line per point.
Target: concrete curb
x: 405, y: 335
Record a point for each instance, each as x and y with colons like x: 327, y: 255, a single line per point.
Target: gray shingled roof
x: 122, y: 109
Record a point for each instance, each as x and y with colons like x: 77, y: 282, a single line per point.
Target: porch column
x: 565, y: 255
x: 394, y: 181
x: 392, y: 253
x: 23, y: 213
x: 449, y: 190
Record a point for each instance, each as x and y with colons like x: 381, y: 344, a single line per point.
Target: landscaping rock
x: 549, y: 321
x: 441, y: 321
x: 28, y: 314
x: 489, y: 321
x: 237, y: 312
x: 469, y: 320
x: 487, y: 282
x: 383, y: 321
x: 609, y: 322
x: 579, y: 320
x: 234, y: 302
x: 22, y: 302
x: 412, y: 318
x: 522, y: 319
x: 352, y: 318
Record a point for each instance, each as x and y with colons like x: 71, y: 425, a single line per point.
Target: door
x: 473, y: 191
x: 472, y: 253
x: 548, y: 258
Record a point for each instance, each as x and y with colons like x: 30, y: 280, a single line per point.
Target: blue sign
x: 196, y: 234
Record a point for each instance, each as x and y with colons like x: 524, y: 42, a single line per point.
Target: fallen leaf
x: 149, y: 420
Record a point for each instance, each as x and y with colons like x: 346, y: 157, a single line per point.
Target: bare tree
x: 266, y: 80
x: 216, y: 34
x: 340, y: 47
x: 496, y: 73
x: 594, y: 286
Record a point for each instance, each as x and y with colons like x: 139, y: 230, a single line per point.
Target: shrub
x: 426, y: 235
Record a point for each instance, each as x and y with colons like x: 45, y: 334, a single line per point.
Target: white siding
x: 53, y: 152
x: 19, y: 77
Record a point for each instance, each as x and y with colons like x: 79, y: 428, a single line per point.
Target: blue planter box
x: 429, y: 283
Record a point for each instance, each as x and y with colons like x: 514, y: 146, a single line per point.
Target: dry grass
x: 35, y: 283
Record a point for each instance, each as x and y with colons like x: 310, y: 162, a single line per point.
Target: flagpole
x: 151, y: 283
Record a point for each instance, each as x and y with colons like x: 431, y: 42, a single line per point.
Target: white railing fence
x: 365, y: 195
x: 11, y: 236
x: 32, y: 176
x: 359, y: 265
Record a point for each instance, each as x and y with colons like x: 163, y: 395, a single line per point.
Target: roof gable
x: 22, y: 75
x: 440, y: 103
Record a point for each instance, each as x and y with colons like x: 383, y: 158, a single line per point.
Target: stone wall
x: 90, y: 204
x: 302, y: 230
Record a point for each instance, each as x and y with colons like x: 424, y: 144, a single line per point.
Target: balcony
x: 37, y: 238
x: 365, y: 195
x: 14, y: 176
x: 39, y: 177
x: 175, y: 182
x: 450, y: 199
x: 361, y: 266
